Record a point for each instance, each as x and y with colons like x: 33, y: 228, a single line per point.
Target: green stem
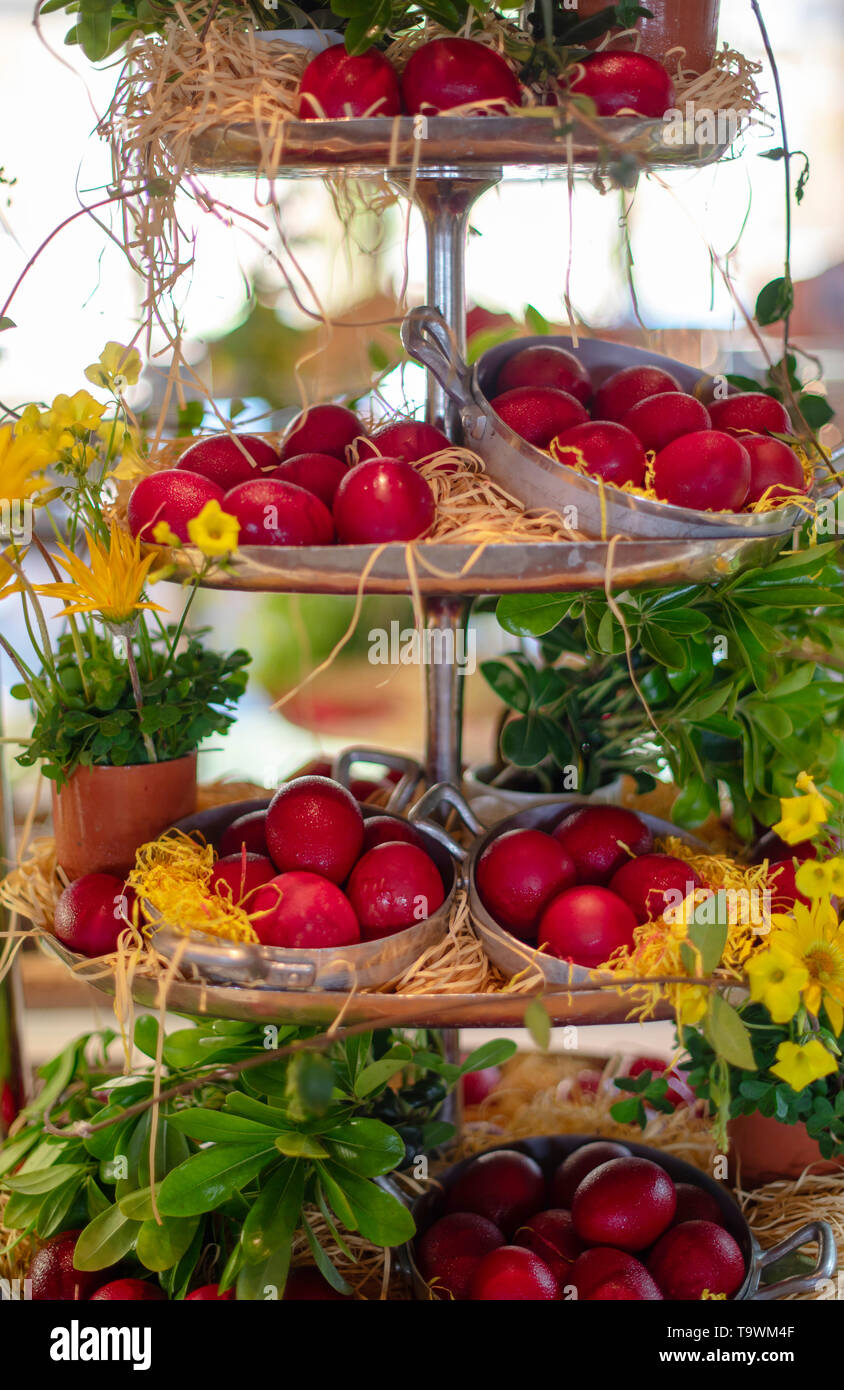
x: 787, y: 173
x: 139, y: 699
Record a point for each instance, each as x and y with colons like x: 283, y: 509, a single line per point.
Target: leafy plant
x: 248, y: 1148
x: 188, y: 693
x: 733, y: 673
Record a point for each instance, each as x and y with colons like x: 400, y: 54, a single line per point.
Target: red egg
x: 91, y: 913
x: 695, y: 1204
x: 337, y: 84
x: 551, y: 1235
x: 477, y: 1085
x: 271, y: 512
x: 574, y: 1168
x: 625, y: 388
x: 626, y: 1203
x: 752, y: 411
x: 774, y: 469
x: 210, y: 1293
x: 697, y: 1256
x: 229, y: 459
x: 657, y: 420
x: 236, y: 876
x: 304, y: 911
x: 408, y: 440
x: 451, y: 73
x: 709, y: 471
x: 585, y: 925
x: 320, y: 474
x: 129, y: 1291
x: 450, y: 1251
x: 782, y: 883
x: 174, y: 496
x: 606, y: 450
x: 653, y: 884
x: 55, y: 1277
x: 321, y: 429
x: 505, y: 1186
x: 539, y: 413
x: 393, y: 886
x: 605, y: 1275
x: 382, y: 500
x: 602, y: 838
x: 518, y: 874
x: 622, y: 83
x: 248, y: 830
x: 512, y: 1274
x: 382, y: 830
x: 306, y: 1284
x: 546, y: 365
x: 314, y: 824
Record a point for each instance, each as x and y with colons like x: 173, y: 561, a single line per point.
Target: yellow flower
x: 133, y: 464
x: 819, y: 878
x: 111, y: 585
x: 692, y: 1003
x: 9, y: 582
x: 117, y: 368
x: 23, y: 459
x: 802, y: 816
x: 816, y: 941
x: 162, y: 535
x: 77, y: 414
x: 214, y: 532
x: 800, y: 1065
x: 776, y: 980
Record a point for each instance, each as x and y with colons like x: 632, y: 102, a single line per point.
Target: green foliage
x: 188, y: 695
x: 782, y: 380
x: 239, y: 1163
x: 733, y: 674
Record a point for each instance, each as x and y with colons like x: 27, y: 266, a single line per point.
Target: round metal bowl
x: 367, y: 964
x: 549, y: 1152
x: 505, y: 950
x: 492, y: 803
x: 538, y: 480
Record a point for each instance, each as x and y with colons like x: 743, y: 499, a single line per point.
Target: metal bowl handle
x: 819, y: 1233
x: 431, y: 801
x: 427, y: 338
x: 412, y: 772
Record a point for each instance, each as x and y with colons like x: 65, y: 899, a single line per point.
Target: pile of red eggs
x: 639, y: 426
x: 308, y: 492
x: 608, y: 1226
x: 460, y: 75
x: 579, y: 891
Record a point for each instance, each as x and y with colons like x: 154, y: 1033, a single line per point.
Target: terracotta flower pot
x: 763, y: 1150
x: 692, y: 24
x: 103, y: 814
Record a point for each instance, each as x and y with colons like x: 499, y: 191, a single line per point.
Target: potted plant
x: 765, y: 1053
x: 121, y: 698
x: 660, y: 26
x: 245, y: 1160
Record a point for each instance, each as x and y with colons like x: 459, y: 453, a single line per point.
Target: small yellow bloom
x: 214, y: 532
x: 117, y: 368
x: 776, y: 980
x: 802, y: 817
x: 813, y: 937
x: 692, y: 1003
x: 800, y: 1065
x: 77, y: 414
x: 9, y: 582
x: 110, y: 585
x: 815, y: 878
x: 162, y: 535
x: 23, y: 461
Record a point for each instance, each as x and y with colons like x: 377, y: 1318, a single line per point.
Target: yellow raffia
x: 173, y: 875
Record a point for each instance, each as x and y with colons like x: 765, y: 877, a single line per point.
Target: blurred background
x: 246, y: 329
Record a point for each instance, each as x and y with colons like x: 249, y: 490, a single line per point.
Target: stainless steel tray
x: 535, y: 567
x: 445, y: 146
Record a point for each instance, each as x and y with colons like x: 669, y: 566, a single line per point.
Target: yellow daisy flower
x: 214, y: 532
x: 815, y: 940
x: 117, y: 368
x: 23, y: 460
x: 777, y: 980
x: 110, y: 585
x: 800, y: 1065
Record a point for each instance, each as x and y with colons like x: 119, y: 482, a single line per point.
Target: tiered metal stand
x: 445, y: 165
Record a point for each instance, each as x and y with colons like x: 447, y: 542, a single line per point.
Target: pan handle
x: 818, y: 1233
x: 411, y: 770
x: 427, y: 338
x: 432, y: 801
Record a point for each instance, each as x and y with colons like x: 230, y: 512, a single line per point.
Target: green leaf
x: 6, y: 323
x: 816, y: 410
x: 294, y: 1144
x: 159, y: 1247
x: 105, y: 1240
x: 92, y: 33
x: 209, y: 1178
x: 377, y: 1074
x: 218, y: 1127
x: 379, y: 1216
x: 56, y: 1208
x: 325, y: 1266
x: 531, y: 615
x: 538, y: 1024
x: 137, y: 1205
x: 14, y: 1150
x: 489, y: 1054
x: 523, y: 740
x: 266, y: 1279
x: 44, y: 1180
x: 695, y: 803
x: 368, y: 1147
x: 274, y: 1216
x: 508, y: 684
x: 727, y: 1034
x: 774, y: 302
x: 708, y: 928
